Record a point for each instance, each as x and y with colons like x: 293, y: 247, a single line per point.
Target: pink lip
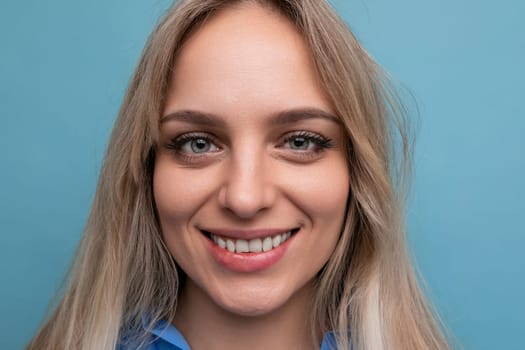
x: 246, y: 234
x: 247, y: 262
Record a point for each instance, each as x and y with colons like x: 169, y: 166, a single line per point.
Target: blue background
x: 64, y: 66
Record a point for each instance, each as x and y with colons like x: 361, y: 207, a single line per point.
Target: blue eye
x: 306, y: 141
x: 300, y: 143
x: 193, y: 144
x: 199, y: 145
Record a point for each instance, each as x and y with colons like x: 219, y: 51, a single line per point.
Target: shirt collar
x: 167, y: 332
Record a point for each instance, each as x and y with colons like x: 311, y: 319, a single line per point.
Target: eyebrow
x: 281, y: 118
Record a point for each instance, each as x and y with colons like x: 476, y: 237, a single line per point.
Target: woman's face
x: 250, y: 178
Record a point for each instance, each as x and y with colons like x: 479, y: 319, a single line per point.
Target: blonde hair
x: 124, y: 279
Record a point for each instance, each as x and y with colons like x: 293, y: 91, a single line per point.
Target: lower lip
x: 247, y: 262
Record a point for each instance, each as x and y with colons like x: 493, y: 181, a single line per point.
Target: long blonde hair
x: 367, y: 292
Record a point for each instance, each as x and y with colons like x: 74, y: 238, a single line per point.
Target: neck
x: 205, y: 325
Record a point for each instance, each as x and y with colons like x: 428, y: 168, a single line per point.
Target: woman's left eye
x: 300, y: 143
x: 306, y: 141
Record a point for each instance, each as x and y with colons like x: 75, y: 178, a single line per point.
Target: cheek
x: 177, y: 193
x: 322, y: 192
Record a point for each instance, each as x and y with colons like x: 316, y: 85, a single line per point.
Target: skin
x: 251, y: 175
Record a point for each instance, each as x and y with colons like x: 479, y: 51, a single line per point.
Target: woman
x: 250, y: 195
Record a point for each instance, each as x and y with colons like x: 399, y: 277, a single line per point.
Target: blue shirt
x: 167, y: 337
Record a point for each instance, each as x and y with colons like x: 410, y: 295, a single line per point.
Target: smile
x: 256, y: 245
x: 248, y: 251
x: 254, y: 241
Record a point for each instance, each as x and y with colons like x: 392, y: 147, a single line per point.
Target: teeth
x: 276, y: 241
x: 241, y: 246
x: 255, y: 245
x: 230, y: 245
x: 267, y: 244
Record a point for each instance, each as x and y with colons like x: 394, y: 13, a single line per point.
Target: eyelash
x: 319, y: 142
x: 177, y: 142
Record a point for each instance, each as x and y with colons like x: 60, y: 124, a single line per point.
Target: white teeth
x: 255, y: 245
x: 230, y: 245
x: 276, y: 241
x: 267, y: 244
x: 241, y: 246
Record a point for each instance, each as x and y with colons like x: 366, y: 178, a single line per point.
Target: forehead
x: 244, y: 60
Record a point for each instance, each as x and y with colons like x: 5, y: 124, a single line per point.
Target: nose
x: 248, y: 188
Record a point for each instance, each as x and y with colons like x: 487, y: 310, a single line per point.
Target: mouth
x: 255, y: 245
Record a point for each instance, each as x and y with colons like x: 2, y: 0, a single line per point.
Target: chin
x: 251, y: 302
x: 250, y: 308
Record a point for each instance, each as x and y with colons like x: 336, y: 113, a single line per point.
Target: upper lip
x: 247, y: 234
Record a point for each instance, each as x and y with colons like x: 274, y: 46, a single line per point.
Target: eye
x: 193, y: 144
x: 306, y: 141
x: 199, y: 145
x: 300, y: 143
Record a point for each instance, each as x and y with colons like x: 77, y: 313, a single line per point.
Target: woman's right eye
x: 199, y: 145
x: 193, y: 144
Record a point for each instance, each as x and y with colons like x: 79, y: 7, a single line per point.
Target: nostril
x: 246, y: 193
